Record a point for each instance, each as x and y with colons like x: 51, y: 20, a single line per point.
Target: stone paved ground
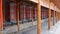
x: 29, y: 29
x: 33, y: 30
x: 0, y: 32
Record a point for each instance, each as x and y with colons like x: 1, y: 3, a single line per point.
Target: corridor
x: 29, y: 16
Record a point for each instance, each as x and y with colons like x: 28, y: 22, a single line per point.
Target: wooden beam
x: 18, y: 17
x: 49, y: 16
x: 38, y: 17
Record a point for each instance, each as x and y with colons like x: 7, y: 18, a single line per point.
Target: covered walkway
x: 29, y: 16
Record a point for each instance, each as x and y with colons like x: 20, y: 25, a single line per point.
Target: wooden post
x: 54, y: 16
x: 38, y: 17
x: 24, y: 13
x: 35, y: 13
x: 18, y: 18
x: 49, y: 16
x: 31, y: 15
x: 1, y: 17
x: 55, y: 13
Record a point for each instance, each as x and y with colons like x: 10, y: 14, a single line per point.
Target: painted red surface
x: 21, y: 12
x: 12, y: 12
x: 1, y: 20
x: 44, y: 13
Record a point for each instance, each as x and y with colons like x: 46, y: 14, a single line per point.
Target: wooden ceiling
x: 56, y: 2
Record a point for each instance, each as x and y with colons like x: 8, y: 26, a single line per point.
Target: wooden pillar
x: 58, y: 16
x: 49, y: 16
x: 18, y: 17
x: 1, y: 16
x: 55, y: 13
x: 38, y: 17
x: 35, y: 13
x: 54, y: 16
x: 24, y: 13
x: 31, y: 15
